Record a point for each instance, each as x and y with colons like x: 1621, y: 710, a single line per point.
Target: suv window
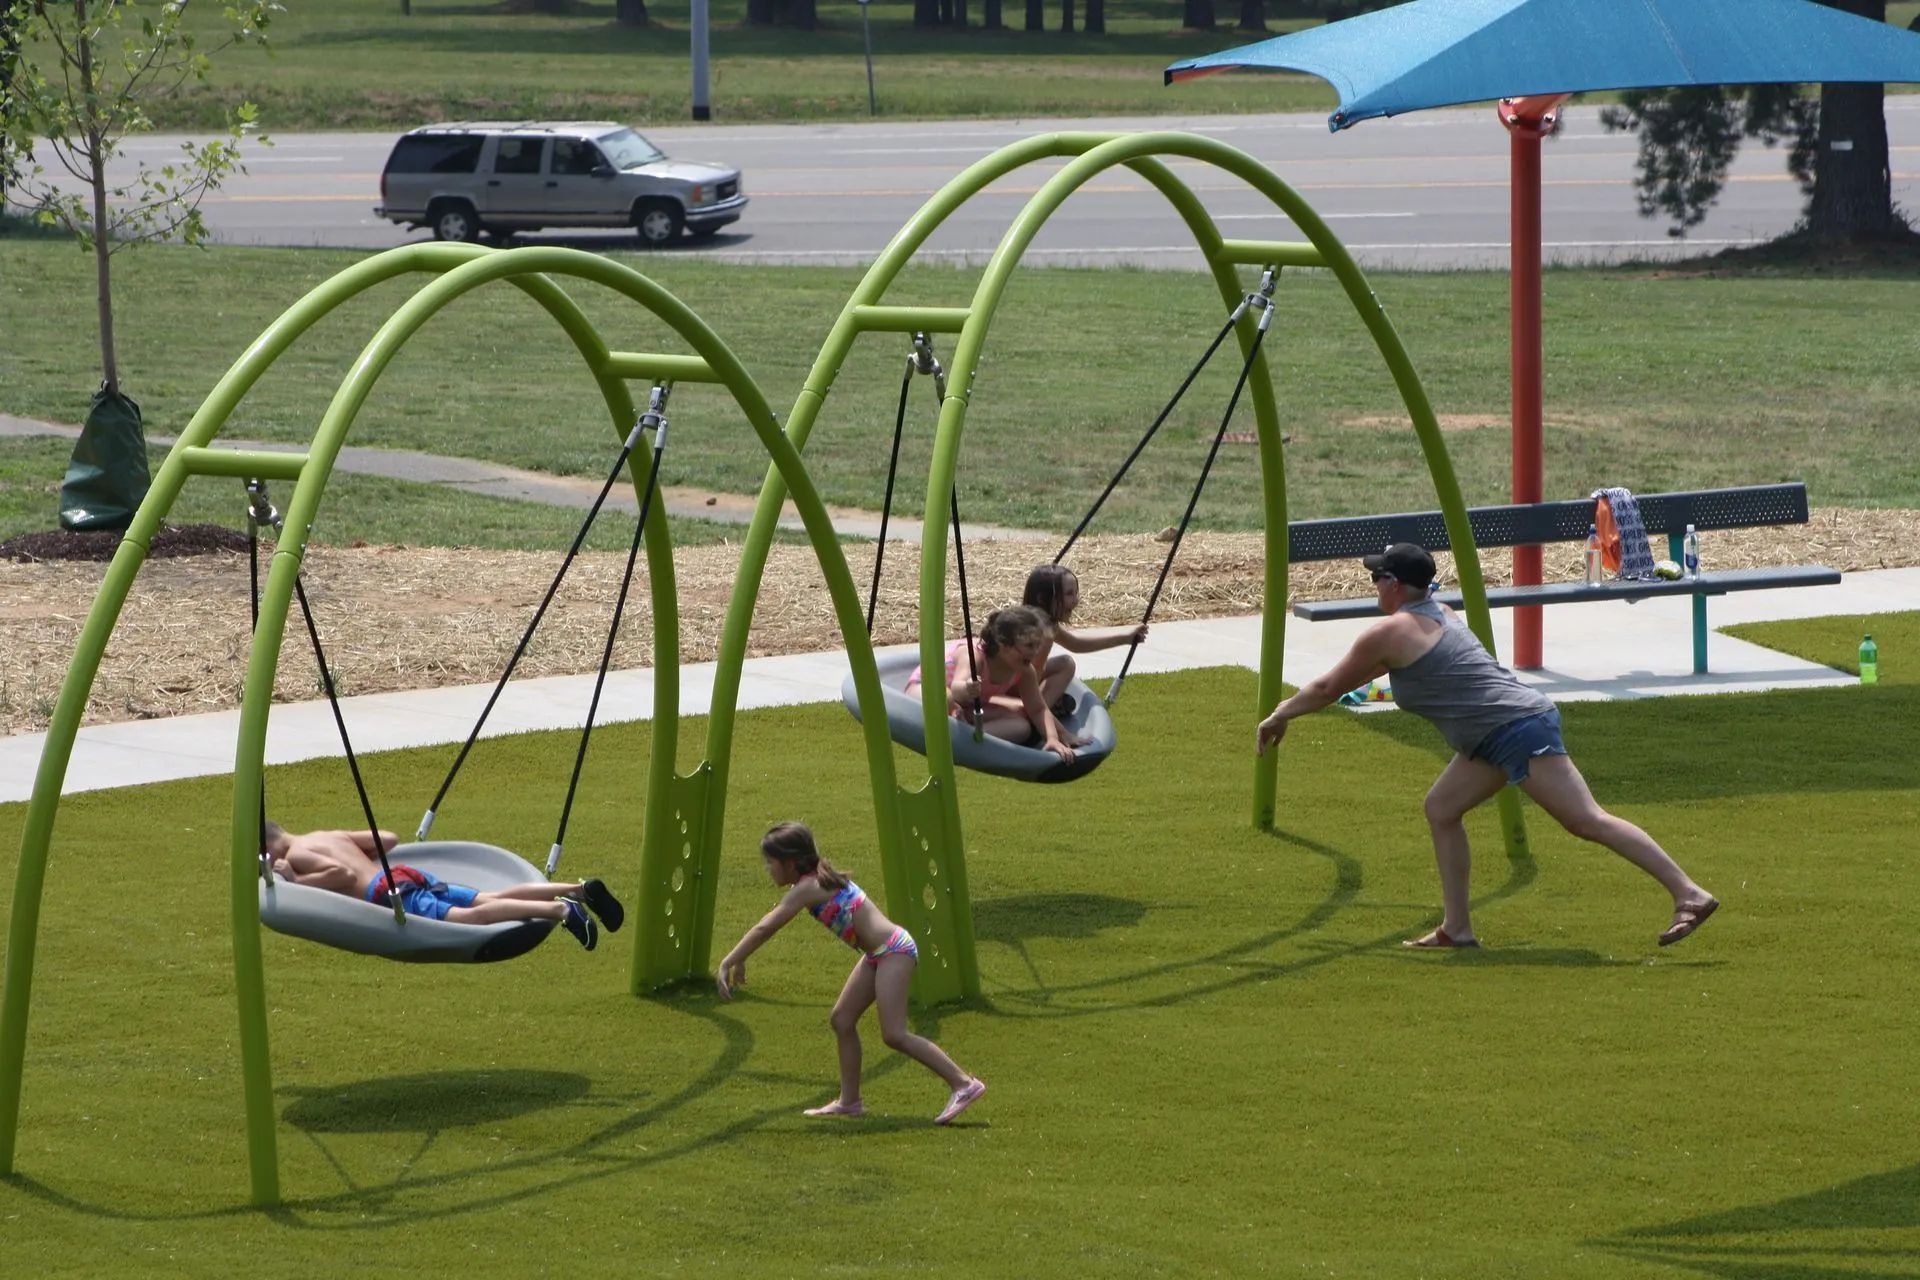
x: 575, y: 156
x: 518, y: 155
x: 435, y: 153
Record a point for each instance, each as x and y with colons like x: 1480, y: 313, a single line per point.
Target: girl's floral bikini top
x: 838, y: 911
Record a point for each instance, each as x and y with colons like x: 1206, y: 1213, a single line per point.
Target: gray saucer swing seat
x: 354, y: 924
x: 990, y: 755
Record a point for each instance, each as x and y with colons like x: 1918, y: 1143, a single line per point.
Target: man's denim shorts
x: 1512, y: 747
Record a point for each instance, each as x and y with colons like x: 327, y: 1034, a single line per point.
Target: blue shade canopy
x: 1437, y: 53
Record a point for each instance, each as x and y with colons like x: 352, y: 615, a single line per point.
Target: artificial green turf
x: 357, y: 509
x: 1654, y: 380
x: 1834, y: 641
x: 1208, y: 1054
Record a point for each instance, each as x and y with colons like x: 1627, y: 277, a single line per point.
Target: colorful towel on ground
x: 1623, y: 535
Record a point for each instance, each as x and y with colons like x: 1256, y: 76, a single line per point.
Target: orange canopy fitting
x: 1527, y: 121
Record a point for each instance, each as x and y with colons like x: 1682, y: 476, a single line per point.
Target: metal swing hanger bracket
x: 654, y: 418
x: 924, y: 361
x: 260, y: 508
x: 1261, y: 299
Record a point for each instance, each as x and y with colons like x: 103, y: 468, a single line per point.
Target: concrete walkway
x: 495, y: 481
x: 1588, y: 645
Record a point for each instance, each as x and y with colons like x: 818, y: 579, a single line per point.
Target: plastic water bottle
x: 1593, y: 556
x: 1690, y: 553
x: 1869, y: 661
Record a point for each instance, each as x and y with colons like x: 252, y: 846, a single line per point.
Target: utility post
x: 866, y: 32
x: 702, y: 108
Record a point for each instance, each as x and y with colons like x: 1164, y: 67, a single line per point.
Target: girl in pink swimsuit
x: 880, y: 976
x: 1007, y: 688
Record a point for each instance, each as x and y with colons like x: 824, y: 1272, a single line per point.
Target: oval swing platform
x: 353, y: 924
x: 990, y: 755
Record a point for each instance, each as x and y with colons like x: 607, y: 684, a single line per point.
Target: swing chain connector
x: 426, y: 825
x: 654, y: 419
x: 553, y: 859
x: 924, y: 361
x: 260, y: 507
x: 1261, y: 299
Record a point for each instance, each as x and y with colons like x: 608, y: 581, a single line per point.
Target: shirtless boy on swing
x: 348, y: 862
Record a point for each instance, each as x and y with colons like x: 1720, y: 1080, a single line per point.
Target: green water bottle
x: 1869, y: 661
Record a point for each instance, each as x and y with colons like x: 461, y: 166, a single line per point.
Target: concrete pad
x: 1611, y: 649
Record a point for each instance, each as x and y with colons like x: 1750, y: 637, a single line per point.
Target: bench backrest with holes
x: 1525, y: 524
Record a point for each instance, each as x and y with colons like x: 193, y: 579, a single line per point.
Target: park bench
x: 1527, y: 523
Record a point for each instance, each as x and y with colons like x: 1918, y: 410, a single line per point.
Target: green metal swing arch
x: 922, y: 852
x: 460, y: 269
x: 919, y: 832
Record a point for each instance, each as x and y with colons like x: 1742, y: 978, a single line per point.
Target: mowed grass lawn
x: 1654, y: 379
x: 361, y: 64
x: 1208, y: 1053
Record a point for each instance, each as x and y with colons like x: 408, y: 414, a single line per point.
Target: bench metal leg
x: 1677, y: 552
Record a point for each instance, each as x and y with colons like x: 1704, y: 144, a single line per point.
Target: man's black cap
x: 1407, y: 561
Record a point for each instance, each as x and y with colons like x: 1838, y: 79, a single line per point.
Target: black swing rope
x: 260, y: 509
x: 654, y: 417
x: 1263, y: 301
x: 922, y: 360
x: 526, y: 637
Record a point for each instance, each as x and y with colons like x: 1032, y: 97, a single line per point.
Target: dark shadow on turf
x: 439, y: 1100
x: 1734, y: 1242
x: 1011, y: 921
x: 1241, y: 956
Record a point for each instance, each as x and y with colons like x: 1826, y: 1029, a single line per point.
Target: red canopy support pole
x: 1528, y: 120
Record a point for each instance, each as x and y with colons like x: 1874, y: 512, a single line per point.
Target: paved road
x: 1426, y: 190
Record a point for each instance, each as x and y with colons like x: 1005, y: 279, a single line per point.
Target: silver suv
x: 507, y: 176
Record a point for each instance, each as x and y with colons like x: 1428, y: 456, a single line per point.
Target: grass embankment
x: 361, y: 64
x: 1208, y: 1053
x: 1656, y: 379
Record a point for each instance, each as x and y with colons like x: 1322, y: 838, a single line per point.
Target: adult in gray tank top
x: 1501, y: 731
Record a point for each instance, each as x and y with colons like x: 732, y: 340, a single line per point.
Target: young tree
x: 79, y: 88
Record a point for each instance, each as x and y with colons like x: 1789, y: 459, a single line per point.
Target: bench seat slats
x: 1710, y: 584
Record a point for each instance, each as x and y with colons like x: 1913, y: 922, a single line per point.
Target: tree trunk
x: 1253, y: 15
x: 630, y: 13
x: 802, y: 14
x: 1852, y: 185
x: 1066, y: 16
x: 1197, y: 15
x: 1036, y: 15
x: 994, y: 19
x: 1852, y: 188
x: 1096, y: 23
x: 926, y: 13
x: 759, y: 13
x: 102, y: 255
x: 960, y: 14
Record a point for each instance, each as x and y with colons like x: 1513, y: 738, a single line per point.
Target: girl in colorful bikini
x: 1054, y: 590
x: 1004, y: 681
x: 880, y: 976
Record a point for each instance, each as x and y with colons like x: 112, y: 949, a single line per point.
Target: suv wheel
x: 658, y: 222
x: 455, y: 220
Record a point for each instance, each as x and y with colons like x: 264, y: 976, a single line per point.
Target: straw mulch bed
x: 406, y: 618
